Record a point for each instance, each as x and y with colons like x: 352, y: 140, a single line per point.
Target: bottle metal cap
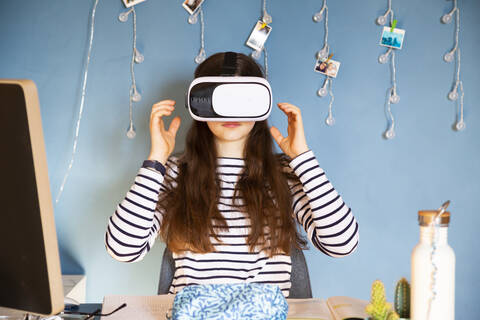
x: 427, y: 217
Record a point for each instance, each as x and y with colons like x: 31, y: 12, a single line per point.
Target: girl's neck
x: 231, y: 149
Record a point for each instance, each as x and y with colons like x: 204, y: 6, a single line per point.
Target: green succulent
x: 402, y: 298
x: 379, y: 308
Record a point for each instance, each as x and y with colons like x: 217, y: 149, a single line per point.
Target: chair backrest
x: 300, y: 279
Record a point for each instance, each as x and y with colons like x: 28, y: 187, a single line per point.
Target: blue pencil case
x: 232, y: 301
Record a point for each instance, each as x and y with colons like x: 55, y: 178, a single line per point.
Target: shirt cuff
x: 301, y: 159
x: 154, y: 166
x: 302, y: 156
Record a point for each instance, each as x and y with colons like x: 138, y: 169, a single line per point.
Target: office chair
x: 299, y: 278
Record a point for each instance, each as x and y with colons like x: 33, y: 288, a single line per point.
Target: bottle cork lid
x: 427, y: 217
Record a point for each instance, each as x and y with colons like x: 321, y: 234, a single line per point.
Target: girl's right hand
x: 163, y: 141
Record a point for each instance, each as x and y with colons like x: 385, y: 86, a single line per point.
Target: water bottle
x: 433, y: 269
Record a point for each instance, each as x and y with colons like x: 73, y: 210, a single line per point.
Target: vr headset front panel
x: 229, y: 99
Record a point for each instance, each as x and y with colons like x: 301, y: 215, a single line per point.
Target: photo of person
x: 130, y: 3
x: 392, y: 39
x: 327, y: 67
x: 192, y: 5
x: 259, y: 35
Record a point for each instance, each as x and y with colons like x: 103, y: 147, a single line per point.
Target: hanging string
x: 201, y: 54
x: 82, y: 100
x: 325, y: 39
x: 449, y: 57
x: 202, y: 30
x: 330, y: 120
x: 265, y: 61
x: 435, y: 235
x: 317, y: 17
x: 322, y: 55
x: 134, y: 95
x: 265, y: 16
x: 460, y: 125
x: 137, y: 57
x: 435, y: 231
x: 381, y: 20
x: 390, y: 133
x: 392, y: 96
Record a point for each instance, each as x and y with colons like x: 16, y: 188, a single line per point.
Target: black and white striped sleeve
x: 327, y: 220
x: 134, y: 226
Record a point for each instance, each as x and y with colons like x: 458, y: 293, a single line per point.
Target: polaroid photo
x: 259, y: 35
x: 392, y: 39
x: 130, y: 3
x: 192, y: 5
x: 328, y: 68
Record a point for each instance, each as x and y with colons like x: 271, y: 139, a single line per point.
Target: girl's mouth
x: 231, y: 124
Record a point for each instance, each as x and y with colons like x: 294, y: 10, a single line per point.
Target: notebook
x: 334, y: 308
x: 138, y: 307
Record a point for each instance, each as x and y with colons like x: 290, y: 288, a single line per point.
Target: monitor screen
x: 30, y: 276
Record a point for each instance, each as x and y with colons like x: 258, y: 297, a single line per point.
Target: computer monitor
x: 30, y: 274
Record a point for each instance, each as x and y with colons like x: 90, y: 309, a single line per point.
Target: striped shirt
x: 317, y: 207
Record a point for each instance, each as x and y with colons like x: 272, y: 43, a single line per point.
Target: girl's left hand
x: 295, y: 143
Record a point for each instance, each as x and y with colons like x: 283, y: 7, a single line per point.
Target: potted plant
x: 402, y: 299
x: 379, y: 308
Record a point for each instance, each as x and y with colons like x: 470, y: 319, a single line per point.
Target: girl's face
x: 230, y: 131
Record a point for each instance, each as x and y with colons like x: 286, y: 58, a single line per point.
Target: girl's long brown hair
x: 190, y: 203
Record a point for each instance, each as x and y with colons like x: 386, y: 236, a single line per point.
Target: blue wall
x: 385, y: 182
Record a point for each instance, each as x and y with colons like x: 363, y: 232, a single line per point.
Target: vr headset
x: 229, y: 97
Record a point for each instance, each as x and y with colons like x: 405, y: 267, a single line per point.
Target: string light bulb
x: 322, y: 92
x: 323, y: 53
x: 139, y: 58
x: 330, y: 121
x: 449, y: 56
x: 381, y: 20
x: 123, y: 17
x: 390, y: 133
x: 394, y: 97
x: 266, y: 17
x: 256, y: 54
x: 453, y: 95
x: 383, y: 58
x: 131, y: 133
x: 447, y: 17
x: 460, y: 125
x: 136, y: 96
x: 318, y: 16
x: 201, y: 56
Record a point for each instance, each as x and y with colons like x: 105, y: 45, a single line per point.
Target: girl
x: 227, y: 207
